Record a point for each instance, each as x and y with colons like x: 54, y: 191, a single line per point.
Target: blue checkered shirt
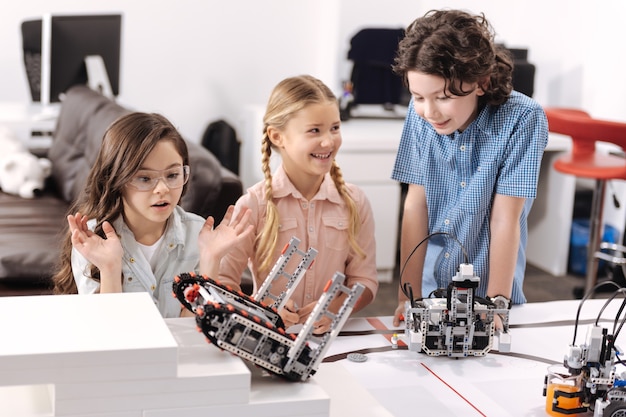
x: 499, y: 153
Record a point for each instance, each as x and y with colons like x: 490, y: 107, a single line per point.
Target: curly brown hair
x: 460, y: 48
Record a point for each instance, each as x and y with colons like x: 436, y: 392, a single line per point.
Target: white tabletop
x: 498, y: 384
x: 112, y: 354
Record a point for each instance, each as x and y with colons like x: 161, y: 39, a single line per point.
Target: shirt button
x: 132, y: 260
x: 130, y: 279
x: 152, y: 287
x: 171, y: 245
x: 463, y: 184
x: 340, y: 224
x: 312, y: 205
x: 308, y: 296
x: 311, y: 229
x: 303, y: 205
x: 447, y: 255
x: 462, y: 147
x: 446, y: 222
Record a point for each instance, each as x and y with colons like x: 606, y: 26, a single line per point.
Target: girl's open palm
x: 103, y: 253
x: 218, y: 241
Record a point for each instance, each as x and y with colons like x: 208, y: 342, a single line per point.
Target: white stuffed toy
x: 21, y: 172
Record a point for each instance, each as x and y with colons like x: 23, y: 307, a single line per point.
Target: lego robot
x: 593, y: 382
x: 249, y: 328
x: 457, y: 324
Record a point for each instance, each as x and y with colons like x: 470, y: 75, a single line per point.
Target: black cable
x: 402, y: 286
x: 619, y: 329
x: 408, y: 291
x: 585, y: 297
x: 606, y: 303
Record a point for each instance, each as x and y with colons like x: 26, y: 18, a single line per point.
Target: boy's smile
x: 446, y: 113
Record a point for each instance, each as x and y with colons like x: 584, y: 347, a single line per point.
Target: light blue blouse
x: 178, y: 253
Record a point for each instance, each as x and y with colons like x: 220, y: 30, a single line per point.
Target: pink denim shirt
x: 320, y: 224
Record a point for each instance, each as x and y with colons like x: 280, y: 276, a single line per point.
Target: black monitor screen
x: 72, y: 38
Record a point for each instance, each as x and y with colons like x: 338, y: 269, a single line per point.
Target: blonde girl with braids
x: 305, y: 197
x: 127, y: 232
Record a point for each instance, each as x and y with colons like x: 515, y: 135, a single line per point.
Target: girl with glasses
x: 127, y: 232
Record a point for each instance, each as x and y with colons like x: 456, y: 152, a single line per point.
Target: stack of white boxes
x: 113, y: 355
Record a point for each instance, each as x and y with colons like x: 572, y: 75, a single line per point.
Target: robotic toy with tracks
x: 253, y: 330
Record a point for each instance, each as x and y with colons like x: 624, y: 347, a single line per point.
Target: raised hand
x: 215, y: 242
x: 105, y: 253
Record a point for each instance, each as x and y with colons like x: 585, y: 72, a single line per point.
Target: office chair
x: 585, y: 161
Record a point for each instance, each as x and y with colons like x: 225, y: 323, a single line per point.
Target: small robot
x: 253, y: 330
x: 588, y: 379
x: 457, y: 324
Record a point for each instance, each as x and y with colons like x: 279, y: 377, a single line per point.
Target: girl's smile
x: 308, y: 145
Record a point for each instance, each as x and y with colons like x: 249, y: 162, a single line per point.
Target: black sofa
x: 31, y: 229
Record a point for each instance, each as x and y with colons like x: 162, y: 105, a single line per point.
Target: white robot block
x: 458, y: 325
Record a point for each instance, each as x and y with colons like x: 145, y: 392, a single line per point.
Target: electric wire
x: 585, y: 297
x: 406, y: 288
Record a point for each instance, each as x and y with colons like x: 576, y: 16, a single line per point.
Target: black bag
x: 220, y: 138
x: 372, y: 50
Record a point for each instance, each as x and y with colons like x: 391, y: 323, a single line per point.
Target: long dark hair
x: 125, y: 146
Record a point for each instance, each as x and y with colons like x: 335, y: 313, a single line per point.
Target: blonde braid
x: 354, y: 223
x: 266, y: 240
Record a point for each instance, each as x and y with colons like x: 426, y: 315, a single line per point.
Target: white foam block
x: 79, y: 337
x: 206, y: 376
x: 269, y: 397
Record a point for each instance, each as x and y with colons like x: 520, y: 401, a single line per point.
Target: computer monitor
x: 74, y: 49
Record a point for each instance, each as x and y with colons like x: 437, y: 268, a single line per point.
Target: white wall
x: 196, y: 61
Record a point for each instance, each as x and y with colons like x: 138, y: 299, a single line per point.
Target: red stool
x: 584, y: 161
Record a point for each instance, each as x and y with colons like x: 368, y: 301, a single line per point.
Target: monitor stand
x: 97, y: 77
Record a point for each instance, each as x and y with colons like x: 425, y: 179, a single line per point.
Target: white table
x: 26, y: 118
x: 113, y: 355
x: 498, y: 384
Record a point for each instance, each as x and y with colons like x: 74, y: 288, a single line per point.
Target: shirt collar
x: 282, y: 187
x: 174, y: 231
x: 483, y: 120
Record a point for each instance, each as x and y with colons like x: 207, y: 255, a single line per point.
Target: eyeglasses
x: 147, y: 179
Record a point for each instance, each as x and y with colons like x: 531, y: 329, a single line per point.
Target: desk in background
x: 367, y: 156
x: 33, y: 123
